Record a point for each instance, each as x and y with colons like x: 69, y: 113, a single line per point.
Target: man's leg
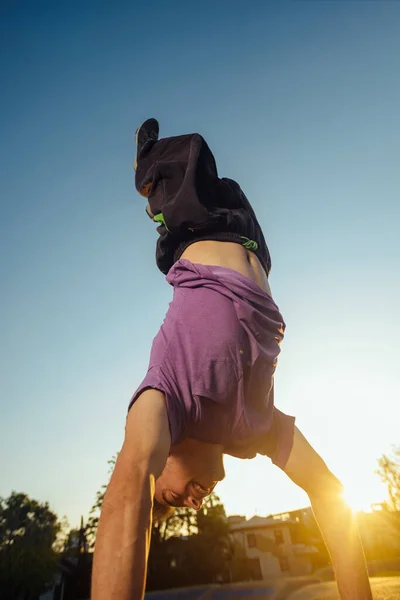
x: 335, y: 519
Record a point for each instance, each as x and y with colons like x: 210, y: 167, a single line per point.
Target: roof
x: 259, y: 522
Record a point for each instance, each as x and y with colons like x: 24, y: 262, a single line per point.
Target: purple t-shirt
x: 214, y: 358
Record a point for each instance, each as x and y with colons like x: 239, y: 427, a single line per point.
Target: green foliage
x: 28, y: 530
x: 213, y: 542
x: 239, y: 566
x: 62, y: 535
x: 182, y: 539
x: 167, y: 539
x: 389, y: 472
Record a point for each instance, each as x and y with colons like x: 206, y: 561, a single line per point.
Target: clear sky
x: 300, y: 103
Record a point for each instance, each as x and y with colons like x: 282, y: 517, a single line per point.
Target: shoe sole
x: 144, y: 191
x: 136, y: 142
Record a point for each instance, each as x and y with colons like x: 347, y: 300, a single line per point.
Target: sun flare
x: 359, y: 500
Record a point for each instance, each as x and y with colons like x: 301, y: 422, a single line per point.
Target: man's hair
x: 161, y: 512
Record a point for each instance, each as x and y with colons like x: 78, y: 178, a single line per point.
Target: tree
x: 213, y: 541
x: 28, y: 530
x: 239, y: 565
x: 191, y: 547
x: 62, y: 535
x: 167, y: 538
x: 389, y: 472
x: 76, y: 564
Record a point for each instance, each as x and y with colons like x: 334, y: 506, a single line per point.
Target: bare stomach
x: 230, y: 255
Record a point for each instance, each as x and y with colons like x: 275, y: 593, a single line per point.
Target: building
x: 268, y: 546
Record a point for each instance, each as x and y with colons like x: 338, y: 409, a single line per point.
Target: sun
x: 361, y: 499
x: 357, y: 501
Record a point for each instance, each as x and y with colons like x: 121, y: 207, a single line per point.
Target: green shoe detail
x: 249, y: 244
x: 160, y: 219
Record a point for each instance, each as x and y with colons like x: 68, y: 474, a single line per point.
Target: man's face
x: 191, y: 473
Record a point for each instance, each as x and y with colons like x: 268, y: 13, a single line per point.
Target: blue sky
x: 300, y: 103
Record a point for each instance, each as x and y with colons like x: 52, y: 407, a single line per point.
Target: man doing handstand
x: 209, y: 388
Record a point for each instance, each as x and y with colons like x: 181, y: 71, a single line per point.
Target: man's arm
x: 123, y: 537
x: 335, y: 519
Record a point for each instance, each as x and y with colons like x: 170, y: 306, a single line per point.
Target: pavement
x: 295, y: 588
x: 383, y: 588
x: 274, y: 590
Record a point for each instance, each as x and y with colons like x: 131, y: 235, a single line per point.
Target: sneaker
x: 147, y: 132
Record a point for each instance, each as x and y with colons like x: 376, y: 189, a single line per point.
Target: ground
x: 384, y: 588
